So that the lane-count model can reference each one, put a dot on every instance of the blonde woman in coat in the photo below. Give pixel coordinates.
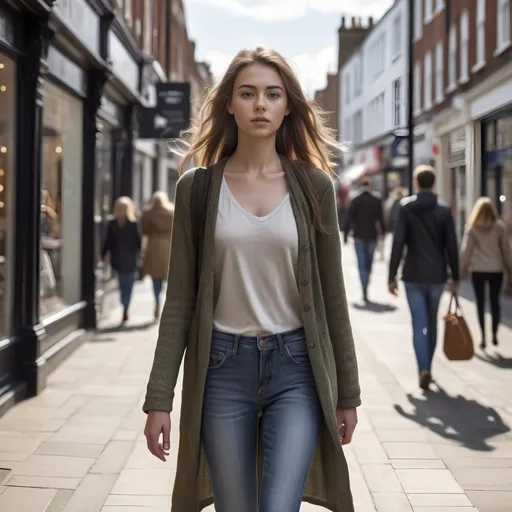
(156, 226)
(486, 252)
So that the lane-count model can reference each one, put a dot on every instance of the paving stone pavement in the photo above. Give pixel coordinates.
(78, 446)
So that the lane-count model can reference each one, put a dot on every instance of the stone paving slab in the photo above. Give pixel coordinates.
(78, 447)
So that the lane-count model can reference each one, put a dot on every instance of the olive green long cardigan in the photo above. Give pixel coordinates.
(326, 323)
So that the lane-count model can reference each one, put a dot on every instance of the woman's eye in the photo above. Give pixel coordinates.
(246, 94)
(274, 95)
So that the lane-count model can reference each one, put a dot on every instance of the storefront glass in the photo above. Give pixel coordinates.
(61, 200)
(504, 149)
(7, 163)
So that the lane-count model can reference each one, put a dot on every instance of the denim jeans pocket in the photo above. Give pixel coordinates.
(219, 353)
(297, 352)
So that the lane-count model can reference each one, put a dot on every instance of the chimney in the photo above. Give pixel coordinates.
(370, 21)
(353, 21)
(343, 22)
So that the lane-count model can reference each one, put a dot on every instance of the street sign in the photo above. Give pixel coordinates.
(400, 146)
(171, 114)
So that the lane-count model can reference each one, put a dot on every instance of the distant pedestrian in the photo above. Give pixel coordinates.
(425, 228)
(122, 242)
(270, 366)
(156, 226)
(486, 252)
(365, 219)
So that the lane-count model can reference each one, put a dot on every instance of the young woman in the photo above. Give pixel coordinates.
(123, 242)
(156, 226)
(486, 251)
(270, 376)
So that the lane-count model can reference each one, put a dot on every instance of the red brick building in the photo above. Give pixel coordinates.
(463, 84)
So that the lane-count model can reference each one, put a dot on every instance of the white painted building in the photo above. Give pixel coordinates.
(373, 94)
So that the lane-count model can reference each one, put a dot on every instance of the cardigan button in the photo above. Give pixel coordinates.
(304, 282)
(304, 248)
(312, 345)
(307, 307)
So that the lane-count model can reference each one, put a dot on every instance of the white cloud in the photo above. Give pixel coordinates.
(277, 10)
(310, 68)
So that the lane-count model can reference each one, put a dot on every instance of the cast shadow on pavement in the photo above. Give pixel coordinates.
(374, 307)
(456, 418)
(119, 329)
(496, 359)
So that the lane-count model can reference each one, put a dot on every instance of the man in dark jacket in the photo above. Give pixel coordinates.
(365, 219)
(425, 226)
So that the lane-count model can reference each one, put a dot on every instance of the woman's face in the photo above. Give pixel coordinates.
(259, 102)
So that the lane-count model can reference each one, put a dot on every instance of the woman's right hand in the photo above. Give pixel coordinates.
(158, 422)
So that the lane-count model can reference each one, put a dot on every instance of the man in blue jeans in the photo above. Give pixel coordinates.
(425, 227)
(365, 219)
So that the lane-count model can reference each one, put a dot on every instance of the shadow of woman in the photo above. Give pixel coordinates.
(496, 359)
(456, 418)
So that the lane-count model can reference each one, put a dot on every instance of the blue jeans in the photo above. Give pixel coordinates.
(157, 288)
(365, 250)
(248, 377)
(424, 303)
(126, 280)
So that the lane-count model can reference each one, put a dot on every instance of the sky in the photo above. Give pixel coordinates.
(304, 31)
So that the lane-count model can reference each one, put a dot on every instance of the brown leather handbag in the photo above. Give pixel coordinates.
(458, 343)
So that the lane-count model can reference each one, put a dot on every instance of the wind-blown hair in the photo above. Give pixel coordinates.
(303, 135)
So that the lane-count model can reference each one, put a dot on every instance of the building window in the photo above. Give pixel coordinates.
(417, 88)
(347, 89)
(418, 19)
(128, 12)
(61, 200)
(148, 26)
(480, 33)
(428, 11)
(397, 102)
(439, 72)
(427, 81)
(397, 36)
(358, 127)
(503, 24)
(452, 59)
(7, 166)
(464, 47)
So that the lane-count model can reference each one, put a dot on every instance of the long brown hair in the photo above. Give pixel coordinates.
(303, 135)
(484, 214)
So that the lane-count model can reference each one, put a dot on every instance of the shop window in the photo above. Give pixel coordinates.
(7, 163)
(61, 201)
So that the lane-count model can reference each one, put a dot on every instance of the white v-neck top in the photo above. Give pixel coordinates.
(256, 261)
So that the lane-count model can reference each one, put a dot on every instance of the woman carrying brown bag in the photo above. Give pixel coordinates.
(156, 225)
(486, 252)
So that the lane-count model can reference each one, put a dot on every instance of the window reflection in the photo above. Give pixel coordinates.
(7, 152)
(61, 201)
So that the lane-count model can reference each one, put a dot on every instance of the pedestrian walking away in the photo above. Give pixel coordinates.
(486, 253)
(425, 228)
(156, 227)
(365, 219)
(256, 296)
(123, 243)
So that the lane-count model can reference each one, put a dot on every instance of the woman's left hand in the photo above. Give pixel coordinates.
(347, 421)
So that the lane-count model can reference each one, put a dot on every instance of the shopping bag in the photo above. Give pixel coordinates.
(458, 344)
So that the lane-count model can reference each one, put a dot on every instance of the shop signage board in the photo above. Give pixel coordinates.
(400, 144)
(171, 114)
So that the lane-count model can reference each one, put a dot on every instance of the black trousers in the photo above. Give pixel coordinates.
(495, 280)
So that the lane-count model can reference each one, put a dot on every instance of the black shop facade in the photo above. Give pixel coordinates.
(66, 152)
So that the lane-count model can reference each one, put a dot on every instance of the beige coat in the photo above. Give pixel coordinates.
(156, 225)
(486, 250)
(187, 321)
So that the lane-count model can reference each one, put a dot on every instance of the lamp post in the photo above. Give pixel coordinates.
(410, 93)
